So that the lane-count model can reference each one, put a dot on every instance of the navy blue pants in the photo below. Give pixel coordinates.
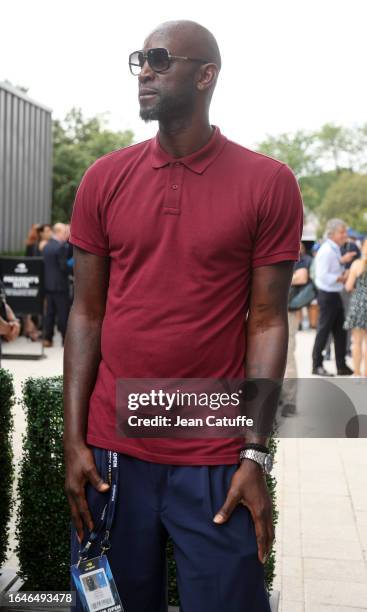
(217, 565)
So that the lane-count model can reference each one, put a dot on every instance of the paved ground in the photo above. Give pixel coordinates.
(322, 531)
(21, 370)
(322, 499)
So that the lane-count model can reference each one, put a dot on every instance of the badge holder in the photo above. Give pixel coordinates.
(93, 577)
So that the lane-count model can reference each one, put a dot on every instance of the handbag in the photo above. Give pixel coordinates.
(301, 295)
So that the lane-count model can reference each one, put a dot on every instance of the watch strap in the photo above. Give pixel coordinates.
(265, 460)
(255, 446)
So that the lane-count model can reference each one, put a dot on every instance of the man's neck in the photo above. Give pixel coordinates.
(180, 139)
(333, 241)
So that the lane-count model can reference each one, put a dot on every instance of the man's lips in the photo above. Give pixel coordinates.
(147, 93)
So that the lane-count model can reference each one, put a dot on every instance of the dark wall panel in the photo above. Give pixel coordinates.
(25, 166)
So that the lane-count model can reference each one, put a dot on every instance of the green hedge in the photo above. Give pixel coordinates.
(272, 483)
(43, 516)
(6, 458)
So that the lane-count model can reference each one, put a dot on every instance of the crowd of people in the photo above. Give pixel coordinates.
(51, 242)
(332, 279)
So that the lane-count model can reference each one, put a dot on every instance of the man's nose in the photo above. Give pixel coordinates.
(146, 72)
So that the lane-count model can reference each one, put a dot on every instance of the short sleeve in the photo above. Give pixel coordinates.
(279, 221)
(86, 229)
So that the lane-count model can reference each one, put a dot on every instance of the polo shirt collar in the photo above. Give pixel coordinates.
(197, 162)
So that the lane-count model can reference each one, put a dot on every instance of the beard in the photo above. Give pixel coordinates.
(170, 108)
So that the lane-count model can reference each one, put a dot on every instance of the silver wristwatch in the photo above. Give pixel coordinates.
(263, 459)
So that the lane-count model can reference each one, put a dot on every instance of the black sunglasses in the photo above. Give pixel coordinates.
(158, 59)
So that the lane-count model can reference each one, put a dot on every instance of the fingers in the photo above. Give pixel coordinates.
(232, 500)
(264, 532)
(80, 511)
(96, 480)
(261, 537)
(81, 469)
(85, 512)
(77, 521)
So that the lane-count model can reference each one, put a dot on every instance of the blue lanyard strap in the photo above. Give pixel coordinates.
(113, 477)
(108, 512)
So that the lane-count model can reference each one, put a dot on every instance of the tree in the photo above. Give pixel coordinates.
(293, 149)
(360, 148)
(336, 144)
(346, 198)
(319, 159)
(314, 188)
(77, 143)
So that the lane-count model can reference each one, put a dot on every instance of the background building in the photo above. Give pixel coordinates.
(25, 166)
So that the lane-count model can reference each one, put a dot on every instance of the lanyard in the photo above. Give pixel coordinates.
(108, 512)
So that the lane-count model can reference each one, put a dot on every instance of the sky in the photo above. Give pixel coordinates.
(287, 64)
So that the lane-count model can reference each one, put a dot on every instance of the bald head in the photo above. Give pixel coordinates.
(183, 89)
(59, 231)
(192, 39)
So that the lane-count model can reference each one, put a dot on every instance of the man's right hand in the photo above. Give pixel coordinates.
(81, 469)
(343, 277)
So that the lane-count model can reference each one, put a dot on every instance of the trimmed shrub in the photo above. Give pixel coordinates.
(43, 516)
(6, 458)
(272, 483)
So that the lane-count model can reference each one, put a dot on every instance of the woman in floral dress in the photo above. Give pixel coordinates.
(356, 319)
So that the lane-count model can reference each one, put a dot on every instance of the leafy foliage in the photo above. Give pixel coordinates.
(77, 143)
(334, 144)
(293, 149)
(314, 188)
(272, 483)
(43, 515)
(6, 458)
(319, 159)
(346, 198)
(332, 148)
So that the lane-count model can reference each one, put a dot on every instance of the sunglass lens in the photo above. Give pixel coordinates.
(158, 59)
(136, 61)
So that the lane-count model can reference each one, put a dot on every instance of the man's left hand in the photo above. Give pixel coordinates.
(248, 487)
(348, 257)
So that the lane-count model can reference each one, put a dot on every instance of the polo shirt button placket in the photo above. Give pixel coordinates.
(174, 189)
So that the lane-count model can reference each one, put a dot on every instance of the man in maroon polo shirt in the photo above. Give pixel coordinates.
(184, 250)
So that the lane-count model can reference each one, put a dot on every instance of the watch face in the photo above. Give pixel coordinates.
(268, 464)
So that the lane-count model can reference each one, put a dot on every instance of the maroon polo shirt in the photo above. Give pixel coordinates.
(183, 236)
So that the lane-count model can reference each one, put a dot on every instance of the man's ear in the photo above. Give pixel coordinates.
(208, 75)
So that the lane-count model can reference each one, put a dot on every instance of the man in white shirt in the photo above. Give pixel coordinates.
(330, 276)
